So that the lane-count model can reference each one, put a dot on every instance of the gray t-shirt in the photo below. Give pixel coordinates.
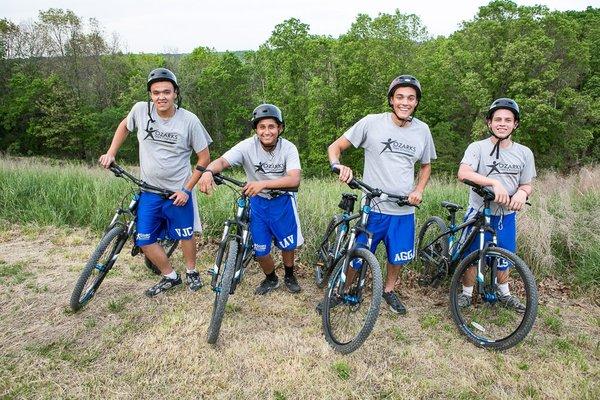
(260, 164)
(166, 145)
(390, 155)
(515, 167)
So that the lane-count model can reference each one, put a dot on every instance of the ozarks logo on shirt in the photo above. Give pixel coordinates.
(269, 168)
(501, 168)
(159, 136)
(394, 146)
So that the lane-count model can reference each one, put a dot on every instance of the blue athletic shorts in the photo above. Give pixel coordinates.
(274, 220)
(397, 233)
(506, 232)
(158, 218)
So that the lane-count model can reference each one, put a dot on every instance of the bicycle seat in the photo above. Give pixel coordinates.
(451, 206)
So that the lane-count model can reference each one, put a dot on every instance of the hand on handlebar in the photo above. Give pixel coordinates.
(518, 200)
(254, 188)
(415, 197)
(345, 173)
(502, 196)
(207, 184)
(106, 160)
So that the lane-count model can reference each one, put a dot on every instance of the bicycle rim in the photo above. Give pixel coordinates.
(490, 320)
(351, 308)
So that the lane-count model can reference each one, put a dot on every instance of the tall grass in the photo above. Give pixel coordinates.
(558, 235)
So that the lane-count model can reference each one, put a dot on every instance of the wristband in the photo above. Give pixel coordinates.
(208, 170)
(186, 191)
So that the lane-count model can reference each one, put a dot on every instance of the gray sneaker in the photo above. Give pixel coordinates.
(512, 302)
(164, 285)
(394, 302)
(266, 286)
(193, 280)
(464, 301)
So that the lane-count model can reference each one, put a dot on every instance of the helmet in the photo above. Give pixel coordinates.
(405, 80)
(506, 103)
(266, 111)
(162, 74)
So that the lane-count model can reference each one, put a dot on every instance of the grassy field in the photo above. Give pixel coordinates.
(123, 345)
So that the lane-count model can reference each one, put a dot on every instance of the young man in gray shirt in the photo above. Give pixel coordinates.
(393, 142)
(509, 168)
(270, 162)
(167, 135)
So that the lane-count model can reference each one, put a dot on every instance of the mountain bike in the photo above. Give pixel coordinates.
(353, 296)
(235, 251)
(486, 322)
(119, 230)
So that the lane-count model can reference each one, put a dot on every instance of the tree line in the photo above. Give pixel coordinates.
(65, 86)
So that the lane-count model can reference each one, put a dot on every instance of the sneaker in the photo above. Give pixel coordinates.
(193, 280)
(464, 301)
(266, 286)
(512, 302)
(292, 284)
(394, 302)
(164, 284)
(334, 302)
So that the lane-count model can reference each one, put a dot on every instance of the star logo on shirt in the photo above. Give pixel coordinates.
(259, 167)
(387, 145)
(494, 169)
(393, 146)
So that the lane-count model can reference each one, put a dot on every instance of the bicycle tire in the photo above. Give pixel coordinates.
(323, 266)
(433, 256)
(169, 246)
(222, 292)
(112, 241)
(464, 323)
(350, 344)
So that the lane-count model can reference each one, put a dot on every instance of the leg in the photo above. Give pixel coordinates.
(157, 255)
(290, 279)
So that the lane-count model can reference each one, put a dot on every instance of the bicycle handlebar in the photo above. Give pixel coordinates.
(120, 172)
(485, 192)
(354, 183)
(219, 179)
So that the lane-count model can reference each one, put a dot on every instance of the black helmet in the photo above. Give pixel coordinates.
(266, 111)
(162, 74)
(506, 103)
(405, 80)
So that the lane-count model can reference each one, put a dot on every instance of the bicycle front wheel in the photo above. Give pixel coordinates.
(222, 289)
(169, 245)
(352, 301)
(98, 265)
(491, 318)
(326, 253)
(432, 252)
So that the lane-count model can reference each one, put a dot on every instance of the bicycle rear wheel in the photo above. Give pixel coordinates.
(169, 245)
(222, 289)
(432, 254)
(332, 240)
(351, 308)
(98, 265)
(491, 320)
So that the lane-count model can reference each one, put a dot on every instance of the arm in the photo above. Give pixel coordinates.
(207, 183)
(466, 172)
(334, 151)
(416, 196)
(291, 180)
(181, 197)
(118, 139)
(519, 198)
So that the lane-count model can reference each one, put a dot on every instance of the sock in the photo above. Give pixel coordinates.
(190, 270)
(172, 275)
(468, 290)
(503, 288)
(272, 277)
(289, 271)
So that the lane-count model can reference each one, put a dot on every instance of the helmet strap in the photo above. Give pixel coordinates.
(149, 113)
(496, 147)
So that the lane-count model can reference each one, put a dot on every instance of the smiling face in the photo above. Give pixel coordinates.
(163, 96)
(502, 123)
(268, 131)
(403, 101)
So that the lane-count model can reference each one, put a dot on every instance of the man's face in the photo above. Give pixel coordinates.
(404, 101)
(503, 123)
(268, 131)
(163, 95)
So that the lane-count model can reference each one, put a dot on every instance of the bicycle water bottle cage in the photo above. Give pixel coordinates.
(347, 202)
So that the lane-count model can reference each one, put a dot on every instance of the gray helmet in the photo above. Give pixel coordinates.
(504, 103)
(404, 80)
(162, 74)
(266, 111)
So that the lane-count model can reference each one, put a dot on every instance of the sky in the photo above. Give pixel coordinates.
(179, 26)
